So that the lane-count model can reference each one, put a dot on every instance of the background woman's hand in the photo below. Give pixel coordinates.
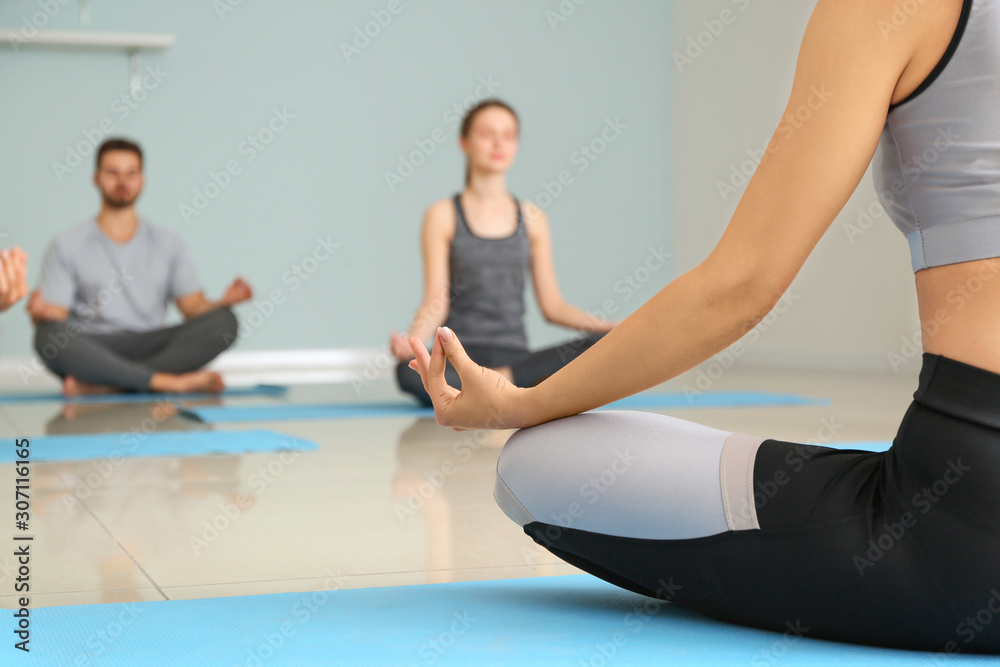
(400, 347)
(487, 399)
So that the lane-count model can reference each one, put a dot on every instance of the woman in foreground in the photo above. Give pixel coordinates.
(896, 549)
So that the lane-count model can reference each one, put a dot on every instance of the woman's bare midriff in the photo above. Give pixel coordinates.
(960, 312)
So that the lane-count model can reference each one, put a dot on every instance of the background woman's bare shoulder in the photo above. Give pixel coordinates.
(439, 218)
(535, 219)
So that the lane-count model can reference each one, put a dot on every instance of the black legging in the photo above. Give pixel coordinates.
(527, 368)
(898, 548)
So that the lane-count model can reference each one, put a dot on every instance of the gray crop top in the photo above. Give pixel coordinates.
(937, 165)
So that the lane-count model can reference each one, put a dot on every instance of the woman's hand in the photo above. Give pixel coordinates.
(487, 399)
(13, 277)
(400, 347)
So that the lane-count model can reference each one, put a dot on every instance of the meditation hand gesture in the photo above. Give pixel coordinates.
(487, 399)
(238, 292)
(400, 347)
(13, 277)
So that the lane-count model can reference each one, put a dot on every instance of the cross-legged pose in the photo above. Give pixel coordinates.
(897, 549)
(477, 247)
(103, 294)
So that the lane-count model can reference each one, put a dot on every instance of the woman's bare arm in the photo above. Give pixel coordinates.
(554, 307)
(845, 77)
(435, 240)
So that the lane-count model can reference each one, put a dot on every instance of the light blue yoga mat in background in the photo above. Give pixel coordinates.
(163, 443)
(868, 446)
(296, 412)
(151, 397)
(574, 620)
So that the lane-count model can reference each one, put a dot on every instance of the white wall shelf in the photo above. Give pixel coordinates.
(89, 38)
(131, 42)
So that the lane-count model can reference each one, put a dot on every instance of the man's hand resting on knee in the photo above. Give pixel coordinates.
(42, 312)
(195, 304)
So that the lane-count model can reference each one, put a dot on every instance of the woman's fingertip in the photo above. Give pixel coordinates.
(446, 334)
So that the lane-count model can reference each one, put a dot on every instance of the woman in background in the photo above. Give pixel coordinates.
(477, 247)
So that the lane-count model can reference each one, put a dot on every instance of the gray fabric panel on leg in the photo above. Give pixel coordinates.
(736, 473)
(510, 505)
(618, 472)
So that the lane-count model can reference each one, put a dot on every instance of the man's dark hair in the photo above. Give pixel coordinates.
(117, 144)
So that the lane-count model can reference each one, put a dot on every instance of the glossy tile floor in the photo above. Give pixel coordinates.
(382, 502)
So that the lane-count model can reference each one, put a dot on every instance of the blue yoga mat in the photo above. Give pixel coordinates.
(869, 446)
(235, 392)
(164, 443)
(296, 412)
(569, 620)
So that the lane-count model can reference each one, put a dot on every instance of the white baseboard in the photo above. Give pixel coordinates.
(243, 368)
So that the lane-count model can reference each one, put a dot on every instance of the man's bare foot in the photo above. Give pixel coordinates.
(187, 383)
(73, 387)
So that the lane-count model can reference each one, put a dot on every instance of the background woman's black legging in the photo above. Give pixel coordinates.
(527, 368)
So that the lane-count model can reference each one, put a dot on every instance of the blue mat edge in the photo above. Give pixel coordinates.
(587, 583)
(143, 397)
(156, 450)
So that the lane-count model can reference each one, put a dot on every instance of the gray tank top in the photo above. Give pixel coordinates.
(487, 285)
(937, 166)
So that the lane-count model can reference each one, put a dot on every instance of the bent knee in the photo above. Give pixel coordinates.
(224, 324)
(515, 455)
(534, 469)
(632, 474)
(51, 338)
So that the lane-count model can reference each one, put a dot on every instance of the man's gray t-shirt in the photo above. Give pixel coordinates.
(110, 287)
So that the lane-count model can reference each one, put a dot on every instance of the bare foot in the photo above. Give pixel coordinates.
(187, 383)
(73, 387)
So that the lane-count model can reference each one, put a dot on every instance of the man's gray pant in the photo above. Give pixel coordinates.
(129, 359)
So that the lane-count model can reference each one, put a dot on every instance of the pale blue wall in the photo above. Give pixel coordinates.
(324, 174)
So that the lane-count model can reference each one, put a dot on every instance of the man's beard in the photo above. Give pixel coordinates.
(118, 202)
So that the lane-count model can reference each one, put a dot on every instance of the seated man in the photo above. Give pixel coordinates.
(13, 276)
(103, 295)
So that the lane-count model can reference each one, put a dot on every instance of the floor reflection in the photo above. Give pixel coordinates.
(80, 418)
(446, 477)
(152, 499)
